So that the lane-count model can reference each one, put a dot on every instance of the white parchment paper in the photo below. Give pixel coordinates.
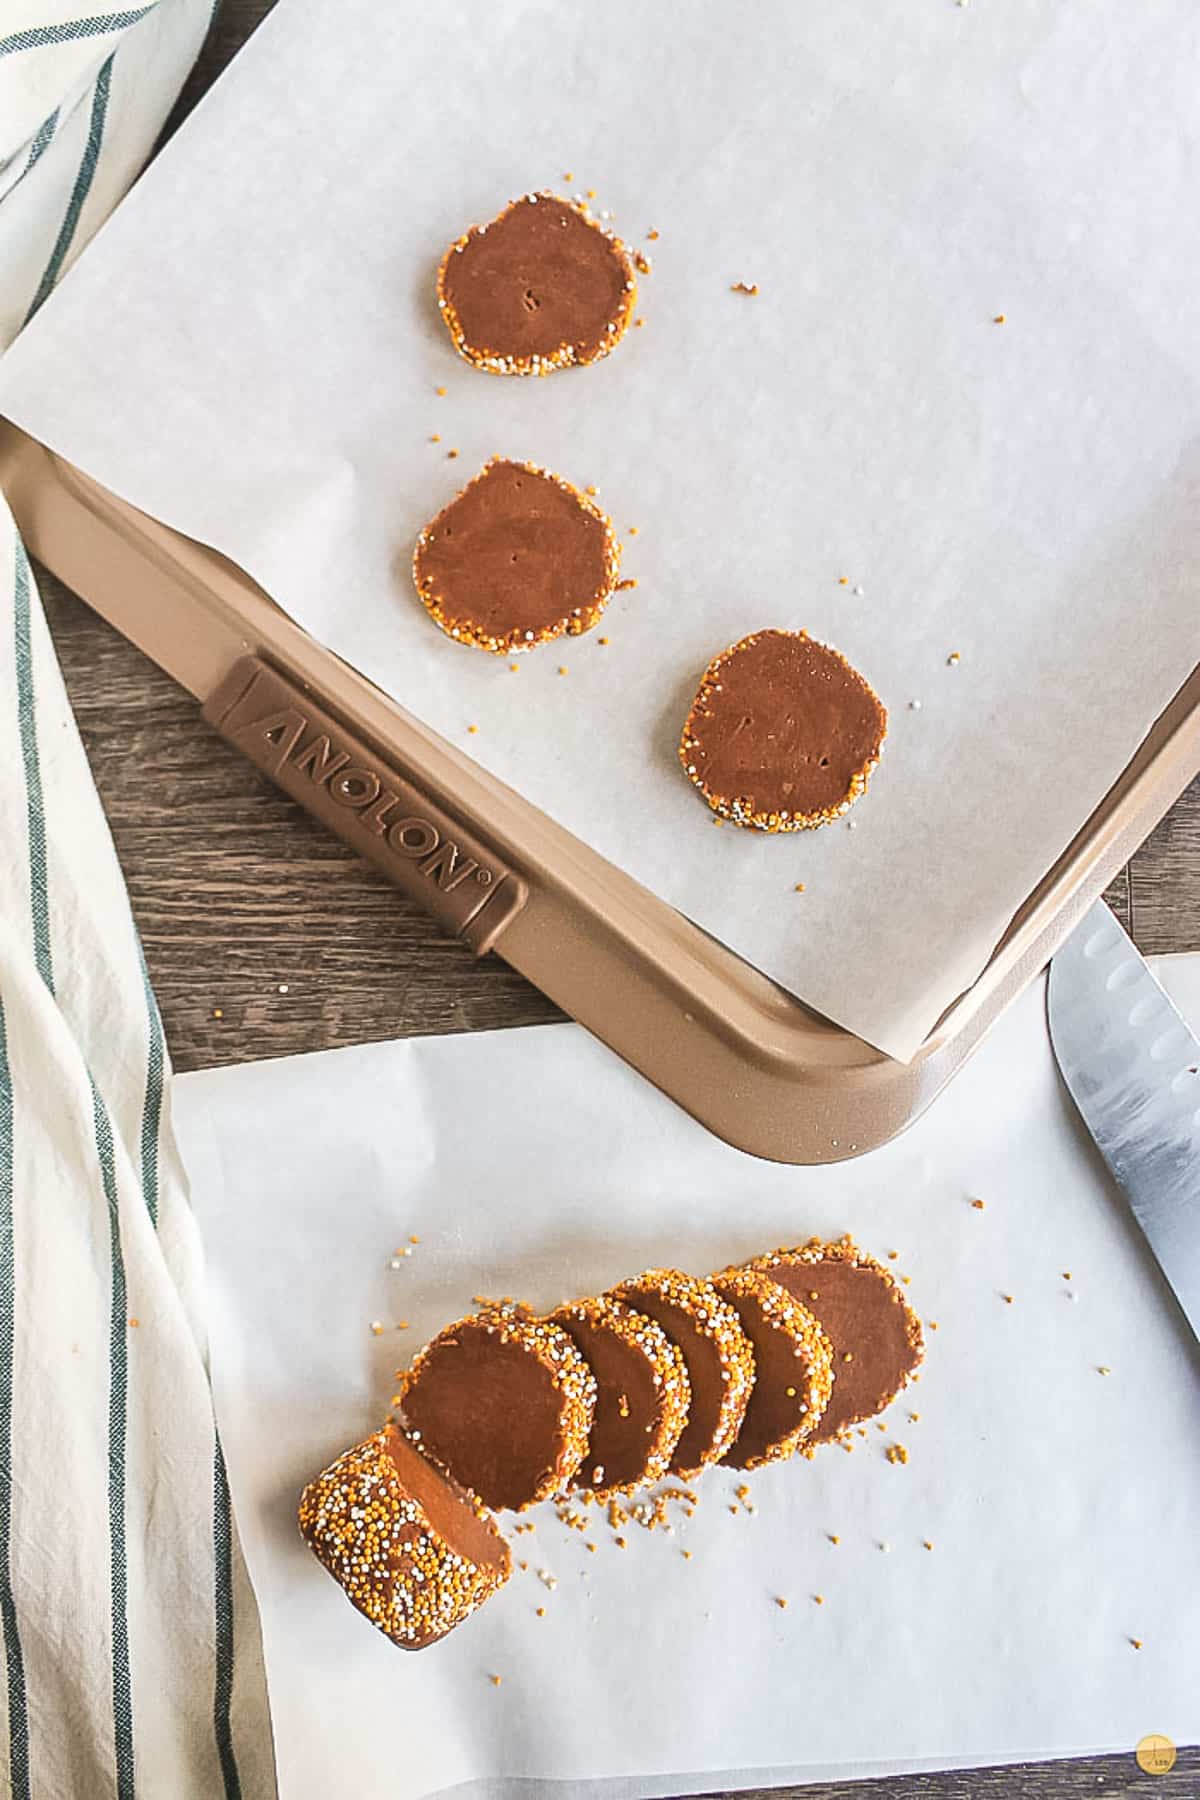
(251, 352)
(1061, 1503)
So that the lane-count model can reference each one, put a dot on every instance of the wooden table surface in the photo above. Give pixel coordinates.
(265, 936)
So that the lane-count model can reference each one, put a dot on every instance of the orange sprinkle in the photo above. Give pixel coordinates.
(781, 1602)
(568, 176)
(451, 454)
(633, 531)
(540, 1611)
(441, 393)
(1066, 1274)
(1007, 1299)
(927, 1544)
(562, 668)
(896, 1453)
(687, 1556)
(1136, 1642)
(436, 438)
(630, 581)
(833, 1538)
(733, 1509)
(513, 667)
(847, 1356)
(602, 640)
(218, 1012)
(892, 1255)
(495, 1680)
(880, 1426)
(134, 1324)
(843, 581)
(914, 1418)
(413, 1238)
(401, 1325)
(933, 1324)
(619, 1542)
(376, 1328)
(652, 234)
(819, 1599)
(639, 323)
(799, 888)
(591, 489)
(591, 193)
(790, 1392)
(978, 1205)
(742, 287)
(472, 729)
(1000, 319)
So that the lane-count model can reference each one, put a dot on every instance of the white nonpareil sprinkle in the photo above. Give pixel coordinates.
(914, 706)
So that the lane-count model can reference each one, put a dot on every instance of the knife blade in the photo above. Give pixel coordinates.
(1133, 1070)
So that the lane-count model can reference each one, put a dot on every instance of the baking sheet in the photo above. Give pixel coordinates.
(251, 352)
(1060, 1503)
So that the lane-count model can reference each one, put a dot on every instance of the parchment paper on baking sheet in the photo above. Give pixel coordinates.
(251, 352)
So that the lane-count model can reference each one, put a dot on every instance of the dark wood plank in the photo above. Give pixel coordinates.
(264, 936)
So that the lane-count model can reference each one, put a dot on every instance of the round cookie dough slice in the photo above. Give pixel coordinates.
(717, 1352)
(519, 557)
(503, 1402)
(540, 287)
(783, 734)
(642, 1393)
(793, 1368)
(875, 1334)
(415, 1553)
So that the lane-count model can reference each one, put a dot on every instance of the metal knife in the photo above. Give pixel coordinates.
(1133, 1069)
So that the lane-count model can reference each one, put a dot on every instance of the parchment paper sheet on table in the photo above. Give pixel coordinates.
(1060, 1503)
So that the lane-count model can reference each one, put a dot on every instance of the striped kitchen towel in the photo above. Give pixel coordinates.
(132, 1663)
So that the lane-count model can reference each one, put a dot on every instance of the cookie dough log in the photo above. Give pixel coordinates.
(540, 287)
(793, 1368)
(518, 558)
(717, 1352)
(875, 1334)
(414, 1552)
(642, 1393)
(503, 1402)
(783, 733)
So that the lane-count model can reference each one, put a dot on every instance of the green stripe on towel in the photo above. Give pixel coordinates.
(36, 37)
(83, 184)
(27, 729)
(14, 1663)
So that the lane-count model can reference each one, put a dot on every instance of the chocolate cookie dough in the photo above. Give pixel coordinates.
(542, 286)
(414, 1552)
(642, 1394)
(503, 1402)
(717, 1352)
(793, 1368)
(783, 734)
(876, 1336)
(518, 558)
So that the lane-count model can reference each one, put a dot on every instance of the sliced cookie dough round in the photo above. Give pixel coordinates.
(540, 287)
(875, 1334)
(783, 733)
(519, 557)
(717, 1352)
(503, 1402)
(793, 1368)
(642, 1393)
(414, 1551)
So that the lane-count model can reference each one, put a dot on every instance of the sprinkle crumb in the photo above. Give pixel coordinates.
(781, 1602)
(954, 658)
(743, 287)
(620, 1543)
(376, 1327)
(799, 889)
(1000, 319)
(818, 1599)
(914, 1418)
(687, 1555)
(896, 1453)
(733, 1509)
(1103, 1369)
(1136, 1642)
(495, 1680)
(1007, 1299)
(1066, 1274)
(928, 1545)
(833, 1538)
(451, 454)
(978, 1205)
